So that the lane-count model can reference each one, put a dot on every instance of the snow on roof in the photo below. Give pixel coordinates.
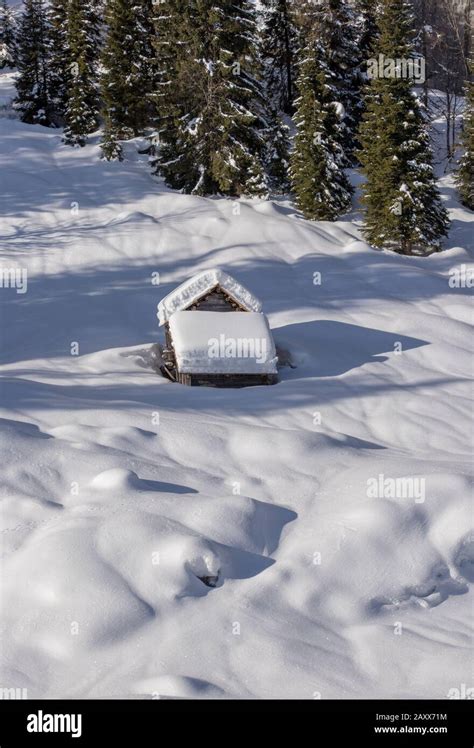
(193, 289)
(223, 343)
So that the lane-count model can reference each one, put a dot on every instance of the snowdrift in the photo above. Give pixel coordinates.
(194, 542)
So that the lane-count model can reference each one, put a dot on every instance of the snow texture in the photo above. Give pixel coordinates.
(125, 496)
(191, 290)
(223, 343)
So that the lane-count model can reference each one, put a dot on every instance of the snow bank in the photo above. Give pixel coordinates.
(223, 343)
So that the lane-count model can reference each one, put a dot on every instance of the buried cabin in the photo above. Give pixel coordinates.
(216, 334)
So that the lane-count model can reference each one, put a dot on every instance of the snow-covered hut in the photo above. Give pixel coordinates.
(205, 346)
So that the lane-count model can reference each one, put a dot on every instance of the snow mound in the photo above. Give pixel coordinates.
(63, 598)
(163, 560)
(115, 479)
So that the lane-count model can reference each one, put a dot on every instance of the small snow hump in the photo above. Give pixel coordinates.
(114, 479)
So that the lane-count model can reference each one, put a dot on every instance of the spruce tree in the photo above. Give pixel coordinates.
(276, 158)
(110, 146)
(170, 45)
(127, 61)
(279, 48)
(367, 28)
(465, 174)
(60, 58)
(211, 129)
(7, 36)
(321, 187)
(335, 24)
(82, 109)
(33, 95)
(403, 209)
(367, 33)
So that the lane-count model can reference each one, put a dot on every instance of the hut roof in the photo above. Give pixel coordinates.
(216, 343)
(195, 288)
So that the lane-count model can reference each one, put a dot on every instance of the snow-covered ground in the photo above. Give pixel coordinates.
(122, 489)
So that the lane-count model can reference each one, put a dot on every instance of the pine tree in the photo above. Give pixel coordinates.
(168, 41)
(321, 187)
(279, 47)
(335, 23)
(403, 210)
(367, 33)
(276, 156)
(33, 96)
(127, 61)
(211, 127)
(60, 58)
(110, 146)
(367, 28)
(82, 109)
(170, 45)
(465, 174)
(7, 36)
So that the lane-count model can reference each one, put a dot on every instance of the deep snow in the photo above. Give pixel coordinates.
(123, 491)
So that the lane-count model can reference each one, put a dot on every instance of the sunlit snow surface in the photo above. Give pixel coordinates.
(194, 542)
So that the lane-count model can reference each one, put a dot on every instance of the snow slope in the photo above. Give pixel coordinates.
(123, 491)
